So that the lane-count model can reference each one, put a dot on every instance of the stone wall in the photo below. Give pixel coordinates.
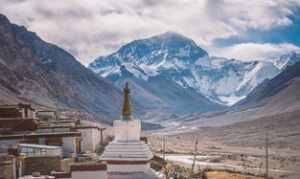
(66, 163)
(44, 165)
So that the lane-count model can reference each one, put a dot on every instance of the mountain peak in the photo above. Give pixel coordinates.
(171, 37)
(172, 34)
(164, 49)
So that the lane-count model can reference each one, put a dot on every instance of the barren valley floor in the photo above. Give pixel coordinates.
(240, 146)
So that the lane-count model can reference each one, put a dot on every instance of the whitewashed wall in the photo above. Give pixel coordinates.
(127, 130)
(88, 175)
(69, 145)
(90, 139)
(128, 168)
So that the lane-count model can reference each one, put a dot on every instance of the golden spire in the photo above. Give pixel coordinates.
(126, 105)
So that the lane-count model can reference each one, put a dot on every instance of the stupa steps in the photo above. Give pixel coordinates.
(128, 147)
(127, 153)
(133, 142)
(126, 157)
(108, 158)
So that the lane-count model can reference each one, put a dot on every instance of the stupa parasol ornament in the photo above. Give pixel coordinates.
(126, 112)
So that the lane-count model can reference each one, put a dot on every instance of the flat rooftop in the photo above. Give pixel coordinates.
(36, 135)
(39, 146)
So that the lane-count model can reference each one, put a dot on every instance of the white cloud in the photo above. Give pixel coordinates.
(256, 51)
(91, 28)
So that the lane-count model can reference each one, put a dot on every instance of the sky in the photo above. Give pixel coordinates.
(242, 29)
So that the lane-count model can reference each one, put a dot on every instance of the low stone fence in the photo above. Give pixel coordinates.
(43, 164)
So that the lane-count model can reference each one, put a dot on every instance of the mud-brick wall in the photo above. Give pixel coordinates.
(44, 165)
(6, 169)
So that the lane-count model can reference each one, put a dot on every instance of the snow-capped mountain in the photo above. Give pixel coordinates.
(278, 94)
(171, 56)
(285, 60)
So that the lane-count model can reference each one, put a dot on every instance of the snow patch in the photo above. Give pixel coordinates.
(231, 100)
(136, 71)
(104, 72)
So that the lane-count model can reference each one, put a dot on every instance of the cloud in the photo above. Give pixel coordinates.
(256, 14)
(256, 51)
(91, 28)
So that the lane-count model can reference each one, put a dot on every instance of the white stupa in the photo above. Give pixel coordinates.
(127, 156)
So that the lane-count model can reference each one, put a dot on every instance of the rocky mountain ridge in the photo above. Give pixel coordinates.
(44, 74)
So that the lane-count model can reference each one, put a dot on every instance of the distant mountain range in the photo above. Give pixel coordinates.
(168, 73)
(279, 94)
(274, 106)
(32, 70)
(171, 59)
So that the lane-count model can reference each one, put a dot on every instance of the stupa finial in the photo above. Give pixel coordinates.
(126, 113)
